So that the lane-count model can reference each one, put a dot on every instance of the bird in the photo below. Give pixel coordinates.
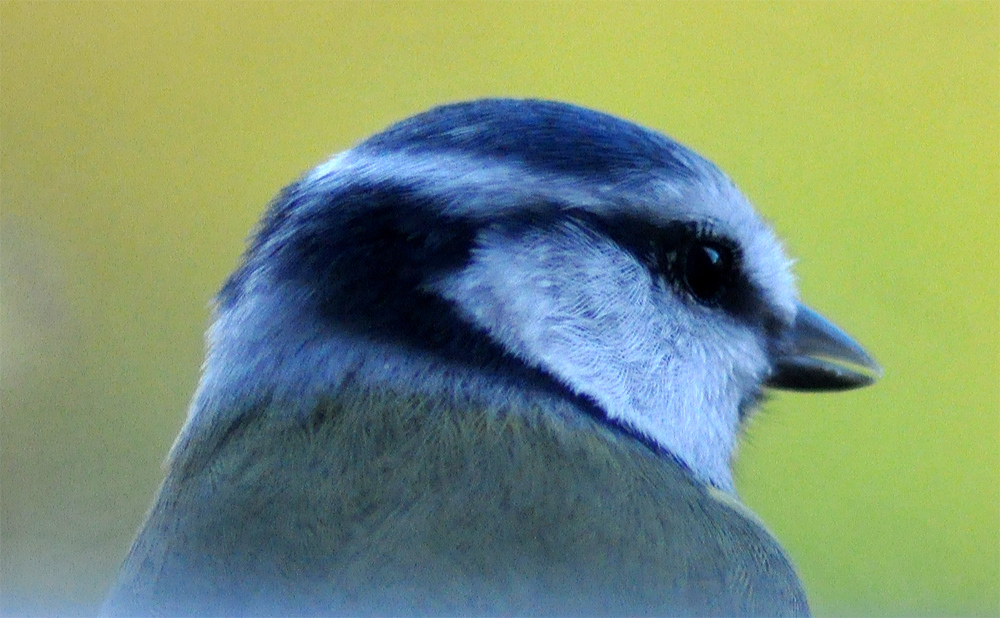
(495, 359)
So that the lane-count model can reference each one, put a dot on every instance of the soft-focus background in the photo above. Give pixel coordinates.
(139, 142)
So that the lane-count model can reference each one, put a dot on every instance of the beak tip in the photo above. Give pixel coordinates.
(809, 363)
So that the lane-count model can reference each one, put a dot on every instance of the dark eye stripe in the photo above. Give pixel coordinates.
(367, 260)
(665, 251)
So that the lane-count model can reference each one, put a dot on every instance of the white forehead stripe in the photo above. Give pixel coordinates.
(485, 188)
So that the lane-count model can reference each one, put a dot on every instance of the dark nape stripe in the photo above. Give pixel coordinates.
(365, 256)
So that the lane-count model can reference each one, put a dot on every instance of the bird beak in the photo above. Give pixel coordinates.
(806, 362)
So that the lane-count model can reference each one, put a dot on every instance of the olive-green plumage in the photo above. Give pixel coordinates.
(377, 503)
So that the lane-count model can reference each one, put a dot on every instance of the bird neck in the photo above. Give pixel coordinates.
(291, 364)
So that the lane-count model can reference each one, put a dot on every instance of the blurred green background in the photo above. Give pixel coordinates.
(139, 142)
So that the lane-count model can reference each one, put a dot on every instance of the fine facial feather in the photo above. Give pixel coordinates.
(574, 303)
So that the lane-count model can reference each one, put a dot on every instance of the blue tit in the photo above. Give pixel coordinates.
(492, 360)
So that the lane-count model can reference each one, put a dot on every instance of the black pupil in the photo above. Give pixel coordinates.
(706, 270)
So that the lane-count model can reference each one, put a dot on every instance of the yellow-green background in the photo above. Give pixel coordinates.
(140, 141)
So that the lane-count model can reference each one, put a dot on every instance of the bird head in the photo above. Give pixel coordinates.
(515, 252)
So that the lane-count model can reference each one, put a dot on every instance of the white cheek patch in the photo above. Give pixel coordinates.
(576, 305)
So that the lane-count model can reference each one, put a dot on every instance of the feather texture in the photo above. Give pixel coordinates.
(380, 504)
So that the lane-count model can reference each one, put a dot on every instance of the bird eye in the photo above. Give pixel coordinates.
(706, 269)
